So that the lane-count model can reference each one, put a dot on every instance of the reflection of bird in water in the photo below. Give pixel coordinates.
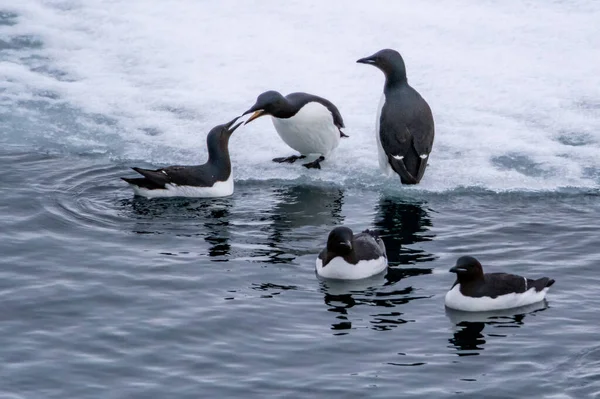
(342, 295)
(468, 338)
(180, 216)
(298, 207)
(469, 333)
(402, 223)
(217, 226)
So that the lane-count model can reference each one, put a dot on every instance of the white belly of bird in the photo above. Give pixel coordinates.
(384, 164)
(219, 189)
(456, 300)
(310, 131)
(339, 269)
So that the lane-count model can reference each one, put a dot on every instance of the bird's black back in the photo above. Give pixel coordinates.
(365, 246)
(497, 284)
(299, 100)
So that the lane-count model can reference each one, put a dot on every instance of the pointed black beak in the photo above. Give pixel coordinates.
(232, 129)
(367, 60)
(457, 269)
(229, 126)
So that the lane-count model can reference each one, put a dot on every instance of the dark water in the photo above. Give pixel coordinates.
(104, 295)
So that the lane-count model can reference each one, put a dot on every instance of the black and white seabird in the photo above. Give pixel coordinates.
(307, 123)
(213, 179)
(351, 256)
(404, 124)
(475, 291)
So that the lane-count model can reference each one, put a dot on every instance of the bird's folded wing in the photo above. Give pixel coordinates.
(179, 175)
(498, 284)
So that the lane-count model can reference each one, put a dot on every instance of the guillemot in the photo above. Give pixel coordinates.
(475, 291)
(349, 256)
(212, 179)
(404, 124)
(307, 123)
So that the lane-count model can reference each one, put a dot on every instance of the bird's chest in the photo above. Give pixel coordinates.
(310, 130)
(382, 156)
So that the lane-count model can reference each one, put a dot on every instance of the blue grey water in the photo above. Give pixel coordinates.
(107, 295)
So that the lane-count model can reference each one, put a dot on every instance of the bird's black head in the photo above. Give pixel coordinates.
(218, 137)
(467, 268)
(268, 103)
(339, 241)
(389, 61)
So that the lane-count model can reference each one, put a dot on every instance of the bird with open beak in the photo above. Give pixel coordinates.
(307, 123)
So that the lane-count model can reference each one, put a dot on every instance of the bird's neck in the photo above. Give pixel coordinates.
(220, 152)
(285, 111)
(395, 78)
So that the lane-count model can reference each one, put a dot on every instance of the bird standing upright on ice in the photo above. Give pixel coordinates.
(404, 124)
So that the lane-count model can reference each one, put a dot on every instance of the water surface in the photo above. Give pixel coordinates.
(105, 295)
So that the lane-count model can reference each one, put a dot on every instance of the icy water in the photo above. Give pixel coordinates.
(105, 295)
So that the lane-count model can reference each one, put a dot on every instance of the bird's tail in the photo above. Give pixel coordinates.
(399, 167)
(422, 165)
(372, 233)
(540, 283)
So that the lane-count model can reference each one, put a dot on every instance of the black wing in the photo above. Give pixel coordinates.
(302, 99)
(406, 132)
(143, 183)
(197, 176)
(497, 284)
(368, 242)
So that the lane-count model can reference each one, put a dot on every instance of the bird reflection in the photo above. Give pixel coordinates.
(468, 338)
(399, 224)
(298, 207)
(181, 216)
(402, 223)
(342, 296)
(269, 290)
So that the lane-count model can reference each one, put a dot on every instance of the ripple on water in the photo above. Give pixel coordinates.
(153, 292)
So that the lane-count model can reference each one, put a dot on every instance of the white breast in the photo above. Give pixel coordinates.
(219, 189)
(310, 131)
(456, 300)
(339, 269)
(384, 164)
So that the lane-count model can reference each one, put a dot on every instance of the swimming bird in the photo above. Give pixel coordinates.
(307, 123)
(475, 291)
(212, 179)
(404, 124)
(350, 256)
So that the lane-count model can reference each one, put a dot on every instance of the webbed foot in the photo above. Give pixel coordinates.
(290, 159)
(316, 164)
